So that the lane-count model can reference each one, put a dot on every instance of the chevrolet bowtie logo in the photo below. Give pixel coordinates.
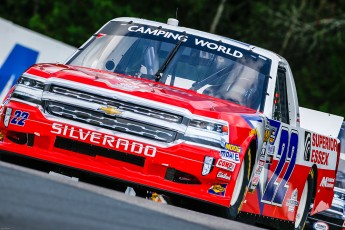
(110, 110)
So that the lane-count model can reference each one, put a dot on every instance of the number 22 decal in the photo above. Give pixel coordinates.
(19, 118)
(276, 190)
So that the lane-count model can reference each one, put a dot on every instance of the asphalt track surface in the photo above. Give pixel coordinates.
(35, 200)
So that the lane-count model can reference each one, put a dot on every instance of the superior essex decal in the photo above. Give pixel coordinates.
(103, 139)
(320, 147)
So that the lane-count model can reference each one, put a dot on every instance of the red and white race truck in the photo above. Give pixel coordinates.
(176, 110)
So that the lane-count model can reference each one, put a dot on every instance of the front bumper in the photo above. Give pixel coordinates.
(176, 169)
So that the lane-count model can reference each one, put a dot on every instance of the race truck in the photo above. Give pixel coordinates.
(177, 111)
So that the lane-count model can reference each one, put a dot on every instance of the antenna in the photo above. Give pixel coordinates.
(173, 21)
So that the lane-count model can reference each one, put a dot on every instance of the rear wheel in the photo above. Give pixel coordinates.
(240, 187)
(304, 203)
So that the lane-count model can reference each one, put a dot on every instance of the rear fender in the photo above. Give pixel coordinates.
(323, 194)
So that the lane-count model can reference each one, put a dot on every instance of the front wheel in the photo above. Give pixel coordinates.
(304, 204)
(240, 187)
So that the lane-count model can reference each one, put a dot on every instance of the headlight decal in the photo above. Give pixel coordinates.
(207, 166)
(209, 126)
(32, 83)
(29, 89)
(207, 132)
(7, 118)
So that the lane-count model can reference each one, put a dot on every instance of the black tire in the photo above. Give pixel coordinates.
(234, 209)
(305, 205)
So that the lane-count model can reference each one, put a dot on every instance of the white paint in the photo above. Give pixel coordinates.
(50, 50)
(320, 122)
(7, 87)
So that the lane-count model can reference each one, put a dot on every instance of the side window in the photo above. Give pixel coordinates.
(281, 108)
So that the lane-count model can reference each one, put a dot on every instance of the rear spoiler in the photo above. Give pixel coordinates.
(320, 122)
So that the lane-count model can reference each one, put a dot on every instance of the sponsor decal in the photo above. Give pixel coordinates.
(223, 176)
(157, 32)
(277, 185)
(118, 85)
(103, 139)
(254, 182)
(7, 117)
(270, 150)
(307, 145)
(319, 157)
(231, 156)
(267, 135)
(266, 153)
(155, 197)
(321, 148)
(19, 118)
(218, 189)
(258, 170)
(227, 165)
(253, 132)
(233, 148)
(256, 177)
(273, 135)
(1, 137)
(222, 48)
(320, 225)
(269, 160)
(326, 143)
(219, 48)
(292, 202)
(327, 182)
(114, 83)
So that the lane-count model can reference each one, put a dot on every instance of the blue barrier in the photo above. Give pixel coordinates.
(17, 62)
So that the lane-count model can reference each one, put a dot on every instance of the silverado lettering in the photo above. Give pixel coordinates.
(102, 139)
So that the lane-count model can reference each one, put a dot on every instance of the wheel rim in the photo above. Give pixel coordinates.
(301, 206)
(238, 185)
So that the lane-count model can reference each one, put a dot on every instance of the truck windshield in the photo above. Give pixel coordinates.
(206, 66)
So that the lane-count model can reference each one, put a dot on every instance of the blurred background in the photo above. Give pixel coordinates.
(310, 34)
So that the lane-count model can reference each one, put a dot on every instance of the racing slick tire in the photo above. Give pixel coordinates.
(304, 204)
(240, 188)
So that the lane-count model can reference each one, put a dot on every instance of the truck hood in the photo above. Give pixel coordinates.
(188, 99)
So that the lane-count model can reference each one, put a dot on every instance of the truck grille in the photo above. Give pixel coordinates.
(92, 150)
(95, 118)
(121, 105)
